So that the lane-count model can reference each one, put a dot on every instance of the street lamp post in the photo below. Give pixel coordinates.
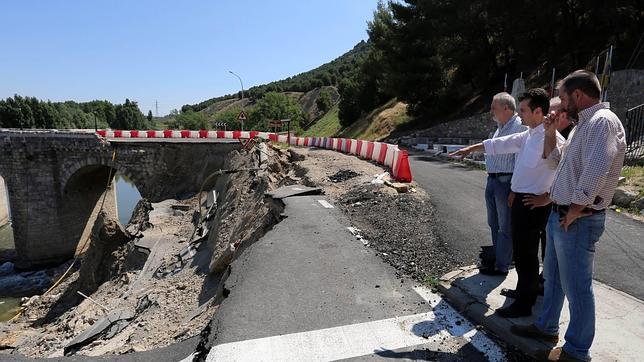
(242, 94)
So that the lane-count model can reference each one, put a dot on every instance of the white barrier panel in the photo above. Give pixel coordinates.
(282, 138)
(354, 147)
(363, 150)
(194, 134)
(376, 151)
(389, 159)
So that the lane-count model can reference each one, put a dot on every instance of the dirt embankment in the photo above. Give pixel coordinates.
(151, 285)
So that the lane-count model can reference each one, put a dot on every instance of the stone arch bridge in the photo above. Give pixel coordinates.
(55, 180)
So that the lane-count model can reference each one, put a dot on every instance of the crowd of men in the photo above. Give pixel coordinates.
(553, 166)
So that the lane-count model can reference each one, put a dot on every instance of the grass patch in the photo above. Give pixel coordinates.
(327, 126)
(431, 281)
(379, 123)
(634, 178)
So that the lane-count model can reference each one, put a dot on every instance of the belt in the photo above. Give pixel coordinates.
(498, 174)
(563, 209)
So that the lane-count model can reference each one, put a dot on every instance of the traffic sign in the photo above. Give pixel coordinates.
(242, 116)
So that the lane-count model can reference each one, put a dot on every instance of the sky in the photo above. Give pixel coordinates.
(173, 52)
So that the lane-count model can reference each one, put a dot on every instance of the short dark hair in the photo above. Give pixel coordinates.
(583, 80)
(537, 97)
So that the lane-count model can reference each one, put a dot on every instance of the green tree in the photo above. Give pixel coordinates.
(324, 101)
(189, 120)
(129, 116)
(149, 116)
(274, 106)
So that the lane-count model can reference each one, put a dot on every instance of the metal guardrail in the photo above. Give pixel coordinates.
(634, 127)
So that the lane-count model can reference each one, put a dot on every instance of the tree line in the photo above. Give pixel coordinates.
(30, 112)
(438, 55)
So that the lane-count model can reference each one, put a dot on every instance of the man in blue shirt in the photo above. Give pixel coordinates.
(497, 190)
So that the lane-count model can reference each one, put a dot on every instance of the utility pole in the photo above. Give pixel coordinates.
(156, 108)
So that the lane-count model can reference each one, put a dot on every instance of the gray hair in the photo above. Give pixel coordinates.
(504, 98)
(555, 102)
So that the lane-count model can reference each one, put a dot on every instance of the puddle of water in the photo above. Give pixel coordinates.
(8, 308)
(127, 196)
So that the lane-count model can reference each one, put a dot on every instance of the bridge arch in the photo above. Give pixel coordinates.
(85, 191)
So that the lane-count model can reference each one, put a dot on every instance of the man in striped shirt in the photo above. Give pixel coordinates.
(500, 169)
(588, 168)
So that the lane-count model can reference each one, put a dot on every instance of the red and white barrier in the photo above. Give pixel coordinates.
(383, 153)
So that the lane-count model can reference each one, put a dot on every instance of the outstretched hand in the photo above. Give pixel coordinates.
(461, 153)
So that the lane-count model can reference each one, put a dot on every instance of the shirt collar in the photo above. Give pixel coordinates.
(537, 129)
(587, 113)
(509, 122)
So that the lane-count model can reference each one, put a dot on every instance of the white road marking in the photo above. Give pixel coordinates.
(466, 329)
(325, 204)
(362, 339)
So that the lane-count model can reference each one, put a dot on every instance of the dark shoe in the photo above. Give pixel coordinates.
(541, 289)
(531, 331)
(514, 311)
(492, 271)
(556, 354)
(510, 293)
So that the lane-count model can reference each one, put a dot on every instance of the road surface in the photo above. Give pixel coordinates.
(458, 192)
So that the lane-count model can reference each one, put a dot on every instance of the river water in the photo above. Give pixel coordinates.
(127, 196)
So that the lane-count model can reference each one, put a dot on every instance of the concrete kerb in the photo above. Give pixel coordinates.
(619, 316)
(482, 314)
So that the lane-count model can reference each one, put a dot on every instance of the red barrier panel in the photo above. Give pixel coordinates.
(253, 134)
(203, 133)
(236, 134)
(152, 134)
(134, 134)
(348, 147)
(272, 137)
(118, 134)
(101, 133)
(358, 147)
(185, 134)
(167, 133)
(369, 150)
(383, 153)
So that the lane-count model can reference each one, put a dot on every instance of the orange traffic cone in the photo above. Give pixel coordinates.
(404, 171)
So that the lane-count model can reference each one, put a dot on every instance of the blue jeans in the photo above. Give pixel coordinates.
(568, 270)
(497, 191)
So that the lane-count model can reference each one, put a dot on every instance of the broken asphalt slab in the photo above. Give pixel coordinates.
(308, 290)
(294, 190)
(113, 318)
(619, 316)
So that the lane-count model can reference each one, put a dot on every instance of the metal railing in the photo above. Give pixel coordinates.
(634, 127)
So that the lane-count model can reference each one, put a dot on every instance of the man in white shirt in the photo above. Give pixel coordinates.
(532, 176)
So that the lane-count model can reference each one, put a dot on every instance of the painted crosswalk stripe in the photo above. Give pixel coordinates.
(362, 339)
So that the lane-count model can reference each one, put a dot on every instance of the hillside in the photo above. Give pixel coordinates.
(329, 74)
